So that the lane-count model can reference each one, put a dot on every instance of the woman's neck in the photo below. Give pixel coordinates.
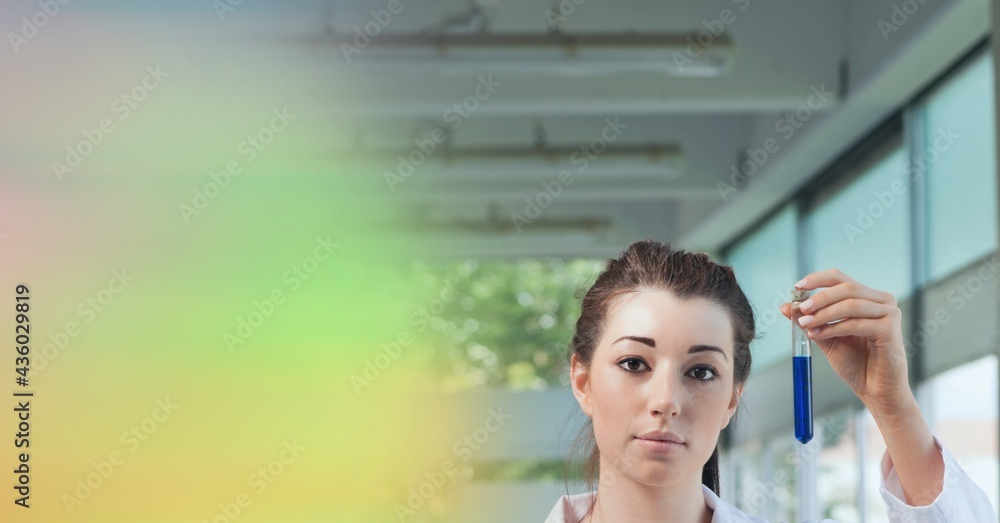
(626, 500)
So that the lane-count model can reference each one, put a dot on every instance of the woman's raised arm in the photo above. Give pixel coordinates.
(865, 348)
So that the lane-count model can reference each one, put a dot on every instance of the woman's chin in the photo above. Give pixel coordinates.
(657, 475)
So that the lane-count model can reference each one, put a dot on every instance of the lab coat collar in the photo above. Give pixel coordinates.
(572, 508)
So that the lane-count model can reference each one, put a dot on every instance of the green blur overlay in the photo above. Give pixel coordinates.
(291, 372)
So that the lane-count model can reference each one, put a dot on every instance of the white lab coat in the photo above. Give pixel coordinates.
(960, 501)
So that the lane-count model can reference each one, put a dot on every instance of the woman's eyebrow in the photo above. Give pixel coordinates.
(640, 339)
(694, 348)
(703, 348)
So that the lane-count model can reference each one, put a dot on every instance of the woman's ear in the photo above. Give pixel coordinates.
(579, 379)
(733, 404)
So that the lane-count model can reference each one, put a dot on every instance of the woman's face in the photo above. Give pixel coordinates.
(661, 364)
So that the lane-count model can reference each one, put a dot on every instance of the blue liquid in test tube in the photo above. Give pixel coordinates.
(801, 372)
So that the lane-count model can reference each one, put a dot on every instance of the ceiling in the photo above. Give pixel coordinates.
(831, 63)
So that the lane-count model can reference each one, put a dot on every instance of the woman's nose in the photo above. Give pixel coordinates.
(665, 397)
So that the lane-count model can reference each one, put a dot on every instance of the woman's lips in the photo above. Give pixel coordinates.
(658, 446)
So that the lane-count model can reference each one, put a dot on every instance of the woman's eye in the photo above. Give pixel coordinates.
(703, 373)
(631, 365)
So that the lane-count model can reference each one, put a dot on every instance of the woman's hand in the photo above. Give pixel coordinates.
(865, 348)
(865, 345)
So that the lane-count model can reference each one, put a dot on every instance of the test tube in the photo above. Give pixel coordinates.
(801, 372)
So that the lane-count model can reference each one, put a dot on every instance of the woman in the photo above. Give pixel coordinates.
(658, 363)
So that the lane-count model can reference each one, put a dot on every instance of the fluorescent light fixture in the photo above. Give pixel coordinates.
(505, 225)
(622, 161)
(686, 54)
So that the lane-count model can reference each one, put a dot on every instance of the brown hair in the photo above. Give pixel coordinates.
(652, 265)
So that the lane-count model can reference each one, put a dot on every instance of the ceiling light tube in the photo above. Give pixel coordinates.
(659, 161)
(686, 54)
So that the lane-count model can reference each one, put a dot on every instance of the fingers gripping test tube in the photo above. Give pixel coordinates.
(801, 372)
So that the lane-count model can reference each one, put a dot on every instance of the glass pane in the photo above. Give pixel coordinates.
(962, 410)
(747, 470)
(960, 159)
(864, 231)
(765, 266)
(874, 448)
(784, 456)
(838, 467)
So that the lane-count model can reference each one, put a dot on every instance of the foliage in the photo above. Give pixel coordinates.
(509, 323)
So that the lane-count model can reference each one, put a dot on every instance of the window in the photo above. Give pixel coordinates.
(770, 493)
(863, 229)
(873, 448)
(959, 153)
(861, 224)
(745, 468)
(961, 406)
(838, 466)
(766, 269)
